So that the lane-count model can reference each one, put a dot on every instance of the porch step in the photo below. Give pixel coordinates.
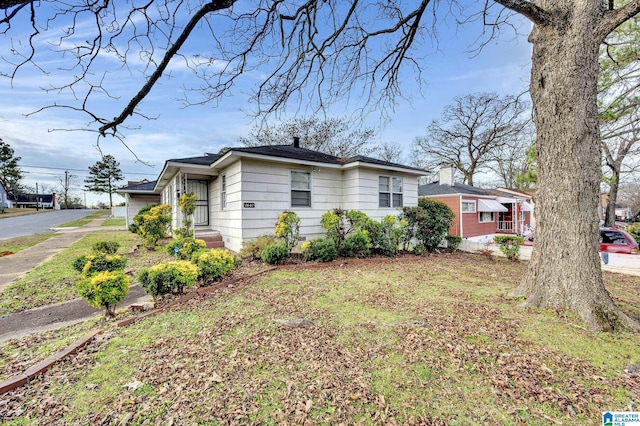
(213, 239)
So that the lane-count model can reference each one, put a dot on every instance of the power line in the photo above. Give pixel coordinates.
(79, 170)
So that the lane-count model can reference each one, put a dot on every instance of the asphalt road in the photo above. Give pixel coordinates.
(40, 223)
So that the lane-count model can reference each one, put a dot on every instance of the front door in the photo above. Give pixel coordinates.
(201, 189)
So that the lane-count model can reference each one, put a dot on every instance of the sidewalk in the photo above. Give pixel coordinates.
(58, 315)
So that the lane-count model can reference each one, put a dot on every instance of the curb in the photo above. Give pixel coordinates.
(38, 369)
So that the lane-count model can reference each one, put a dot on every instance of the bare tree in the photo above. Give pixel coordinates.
(332, 136)
(321, 51)
(619, 104)
(388, 151)
(471, 133)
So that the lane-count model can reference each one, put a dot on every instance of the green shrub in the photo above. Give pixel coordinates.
(509, 245)
(428, 223)
(214, 263)
(634, 230)
(187, 203)
(356, 245)
(89, 264)
(340, 223)
(419, 249)
(321, 250)
(186, 247)
(275, 253)
(453, 241)
(252, 250)
(169, 277)
(137, 219)
(104, 290)
(385, 235)
(154, 224)
(108, 247)
(288, 229)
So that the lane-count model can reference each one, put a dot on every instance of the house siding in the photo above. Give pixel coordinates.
(227, 221)
(134, 204)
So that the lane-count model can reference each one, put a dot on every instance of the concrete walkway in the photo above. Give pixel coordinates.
(50, 317)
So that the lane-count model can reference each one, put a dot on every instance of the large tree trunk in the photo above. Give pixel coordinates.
(564, 272)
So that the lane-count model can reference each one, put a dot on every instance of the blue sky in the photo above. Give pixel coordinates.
(503, 67)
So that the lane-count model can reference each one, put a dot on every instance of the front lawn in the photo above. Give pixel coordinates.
(424, 340)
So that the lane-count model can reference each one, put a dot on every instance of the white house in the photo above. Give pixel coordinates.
(241, 192)
(138, 195)
(3, 198)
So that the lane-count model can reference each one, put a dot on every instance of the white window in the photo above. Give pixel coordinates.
(468, 207)
(390, 191)
(300, 189)
(484, 217)
(223, 192)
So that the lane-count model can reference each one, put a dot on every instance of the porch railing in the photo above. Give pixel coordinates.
(510, 226)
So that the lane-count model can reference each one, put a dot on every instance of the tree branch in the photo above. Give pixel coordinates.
(169, 54)
(535, 13)
(613, 18)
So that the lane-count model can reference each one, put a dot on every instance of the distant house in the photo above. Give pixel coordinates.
(3, 198)
(241, 192)
(138, 195)
(44, 201)
(480, 214)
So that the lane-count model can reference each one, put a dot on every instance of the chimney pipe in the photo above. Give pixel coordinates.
(296, 142)
(447, 174)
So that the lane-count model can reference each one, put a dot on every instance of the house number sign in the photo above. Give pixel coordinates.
(249, 205)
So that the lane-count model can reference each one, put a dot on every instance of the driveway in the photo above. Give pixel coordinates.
(40, 223)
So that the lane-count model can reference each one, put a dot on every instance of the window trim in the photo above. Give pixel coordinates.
(223, 192)
(291, 189)
(493, 218)
(470, 202)
(391, 192)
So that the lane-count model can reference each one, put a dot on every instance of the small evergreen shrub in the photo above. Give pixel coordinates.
(186, 247)
(419, 249)
(108, 247)
(428, 223)
(89, 264)
(634, 231)
(252, 250)
(356, 245)
(275, 253)
(137, 219)
(453, 241)
(339, 223)
(288, 229)
(385, 235)
(321, 250)
(168, 277)
(509, 245)
(104, 290)
(154, 224)
(214, 263)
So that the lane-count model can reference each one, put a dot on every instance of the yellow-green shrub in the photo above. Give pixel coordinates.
(169, 277)
(104, 290)
(214, 263)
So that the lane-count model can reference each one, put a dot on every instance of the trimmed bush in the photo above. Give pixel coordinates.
(104, 290)
(321, 250)
(168, 277)
(356, 245)
(385, 235)
(253, 249)
(89, 264)
(214, 263)
(137, 219)
(634, 231)
(428, 223)
(340, 223)
(108, 247)
(186, 247)
(288, 229)
(453, 241)
(275, 253)
(509, 245)
(154, 224)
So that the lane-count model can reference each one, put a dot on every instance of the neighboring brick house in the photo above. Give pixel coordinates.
(480, 214)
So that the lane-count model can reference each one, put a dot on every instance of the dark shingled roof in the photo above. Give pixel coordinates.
(205, 160)
(434, 188)
(146, 186)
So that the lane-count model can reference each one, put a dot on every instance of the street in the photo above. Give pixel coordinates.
(38, 223)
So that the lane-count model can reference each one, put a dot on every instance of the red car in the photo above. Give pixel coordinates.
(612, 240)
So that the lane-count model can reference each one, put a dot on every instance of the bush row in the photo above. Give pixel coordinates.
(351, 233)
